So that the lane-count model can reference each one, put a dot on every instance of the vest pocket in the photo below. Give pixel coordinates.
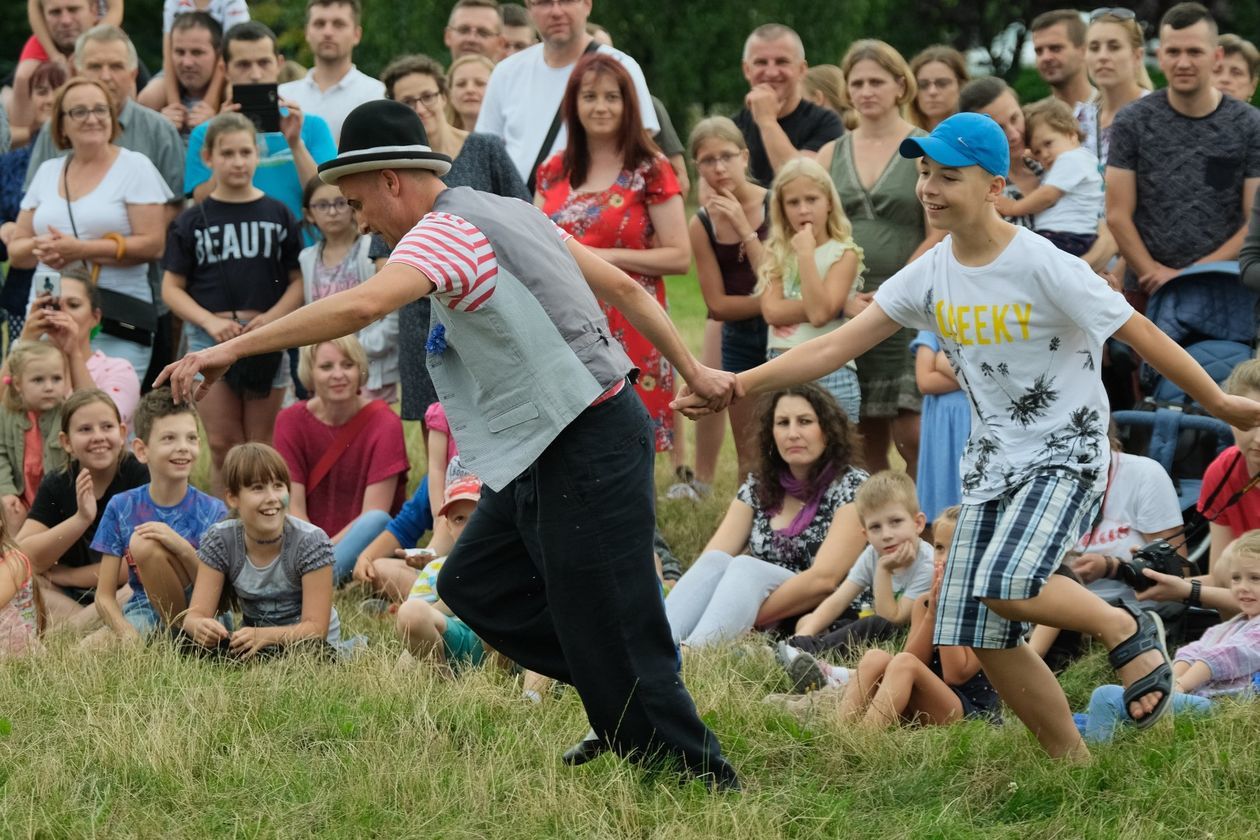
(512, 417)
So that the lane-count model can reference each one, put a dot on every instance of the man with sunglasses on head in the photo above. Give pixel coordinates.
(522, 103)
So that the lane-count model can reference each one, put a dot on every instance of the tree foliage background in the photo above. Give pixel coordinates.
(689, 49)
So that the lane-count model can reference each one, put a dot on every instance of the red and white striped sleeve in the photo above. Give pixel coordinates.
(455, 255)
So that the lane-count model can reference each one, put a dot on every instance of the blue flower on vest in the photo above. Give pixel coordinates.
(436, 344)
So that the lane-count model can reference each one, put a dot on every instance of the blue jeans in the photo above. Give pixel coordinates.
(362, 531)
(1107, 711)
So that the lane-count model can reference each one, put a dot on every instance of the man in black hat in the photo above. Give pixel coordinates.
(555, 567)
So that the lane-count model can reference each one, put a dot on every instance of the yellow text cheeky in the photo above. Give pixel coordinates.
(984, 324)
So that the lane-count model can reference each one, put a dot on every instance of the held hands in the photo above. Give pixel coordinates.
(708, 391)
(211, 363)
(763, 103)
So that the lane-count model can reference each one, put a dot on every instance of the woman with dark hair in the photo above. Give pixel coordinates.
(790, 535)
(939, 73)
(480, 161)
(615, 191)
(990, 95)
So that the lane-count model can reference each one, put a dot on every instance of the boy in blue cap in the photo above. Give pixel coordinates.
(1023, 325)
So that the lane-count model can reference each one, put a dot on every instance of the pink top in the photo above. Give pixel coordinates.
(376, 454)
(117, 378)
(435, 419)
(19, 626)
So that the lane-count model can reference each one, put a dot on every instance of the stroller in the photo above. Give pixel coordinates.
(1208, 311)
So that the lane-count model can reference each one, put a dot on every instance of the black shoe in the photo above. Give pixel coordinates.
(588, 749)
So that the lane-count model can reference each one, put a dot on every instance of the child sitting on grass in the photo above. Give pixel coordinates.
(1221, 663)
(426, 625)
(279, 567)
(20, 615)
(156, 527)
(896, 568)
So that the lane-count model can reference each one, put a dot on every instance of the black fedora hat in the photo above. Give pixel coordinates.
(382, 134)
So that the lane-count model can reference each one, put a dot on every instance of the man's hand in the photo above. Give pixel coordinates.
(1154, 279)
(291, 123)
(176, 114)
(716, 387)
(197, 114)
(763, 103)
(211, 363)
(1090, 567)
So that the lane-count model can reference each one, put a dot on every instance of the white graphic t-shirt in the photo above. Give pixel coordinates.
(1024, 335)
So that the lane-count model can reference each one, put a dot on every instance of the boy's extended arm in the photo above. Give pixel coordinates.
(1170, 359)
(808, 361)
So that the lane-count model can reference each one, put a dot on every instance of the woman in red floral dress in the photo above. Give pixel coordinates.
(617, 194)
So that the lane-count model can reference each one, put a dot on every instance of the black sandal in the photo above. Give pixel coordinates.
(1148, 636)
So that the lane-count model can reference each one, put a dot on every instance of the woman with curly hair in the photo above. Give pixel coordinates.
(790, 535)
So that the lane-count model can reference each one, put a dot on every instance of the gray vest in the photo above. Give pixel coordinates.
(531, 358)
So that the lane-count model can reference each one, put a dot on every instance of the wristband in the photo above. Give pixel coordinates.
(120, 244)
(1196, 589)
(749, 237)
(1113, 563)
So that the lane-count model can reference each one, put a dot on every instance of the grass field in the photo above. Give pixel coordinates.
(145, 743)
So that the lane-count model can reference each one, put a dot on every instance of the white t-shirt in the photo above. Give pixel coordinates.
(336, 103)
(1081, 206)
(911, 582)
(524, 95)
(825, 255)
(1024, 335)
(1140, 500)
(133, 179)
(227, 12)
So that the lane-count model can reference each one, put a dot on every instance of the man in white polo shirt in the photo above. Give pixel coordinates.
(334, 86)
(523, 98)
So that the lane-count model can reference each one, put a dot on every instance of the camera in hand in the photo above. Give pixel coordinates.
(1159, 556)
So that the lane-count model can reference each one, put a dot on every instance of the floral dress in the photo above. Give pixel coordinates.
(18, 621)
(617, 217)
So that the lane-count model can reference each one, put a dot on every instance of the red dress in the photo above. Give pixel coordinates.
(617, 217)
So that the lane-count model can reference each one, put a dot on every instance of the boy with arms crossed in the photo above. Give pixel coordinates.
(1023, 325)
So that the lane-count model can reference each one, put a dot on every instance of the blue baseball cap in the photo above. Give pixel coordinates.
(964, 139)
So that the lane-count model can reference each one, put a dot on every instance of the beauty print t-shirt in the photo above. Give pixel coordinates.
(1024, 335)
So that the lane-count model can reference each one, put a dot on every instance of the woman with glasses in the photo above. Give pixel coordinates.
(340, 260)
(480, 162)
(939, 73)
(101, 207)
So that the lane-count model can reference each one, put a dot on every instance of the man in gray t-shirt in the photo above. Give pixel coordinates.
(1184, 163)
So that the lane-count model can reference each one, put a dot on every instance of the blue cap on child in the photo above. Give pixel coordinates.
(964, 139)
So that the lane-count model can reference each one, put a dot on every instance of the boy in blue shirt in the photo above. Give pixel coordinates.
(156, 527)
(1023, 325)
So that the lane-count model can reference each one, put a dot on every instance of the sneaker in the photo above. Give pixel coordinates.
(806, 673)
(784, 654)
(375, 607)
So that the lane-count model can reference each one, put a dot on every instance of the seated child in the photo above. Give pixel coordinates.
(1223, 662)
(279, 566)
(1067, 206)
(426, 624)
(20, 618)
(922, 684)
(156, 527)
(896, 568)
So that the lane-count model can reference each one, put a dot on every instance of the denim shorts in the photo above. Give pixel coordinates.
(199, 339)
(743, 344)
(141, 614)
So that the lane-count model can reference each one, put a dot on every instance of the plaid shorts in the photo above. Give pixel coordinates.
(1005, 549)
